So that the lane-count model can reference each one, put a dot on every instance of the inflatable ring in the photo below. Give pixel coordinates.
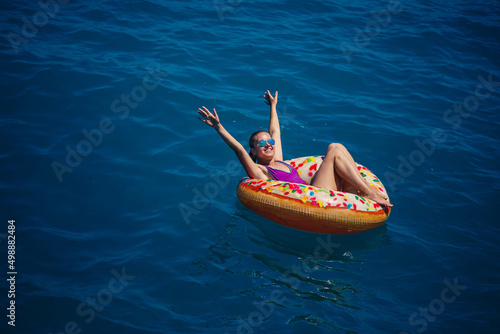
(310, 208)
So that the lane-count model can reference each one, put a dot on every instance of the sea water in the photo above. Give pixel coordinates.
(122, 205)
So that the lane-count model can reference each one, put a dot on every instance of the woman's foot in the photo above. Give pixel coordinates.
(376, 196)
(360, 193)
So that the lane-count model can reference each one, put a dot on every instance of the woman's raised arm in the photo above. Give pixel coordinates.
(212, 119)
(274, 124)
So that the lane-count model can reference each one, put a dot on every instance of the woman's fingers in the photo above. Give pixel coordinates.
(267, 97)
(204, 119)
(270, 97)
(202, 113)
(208, 117)
(205, 112)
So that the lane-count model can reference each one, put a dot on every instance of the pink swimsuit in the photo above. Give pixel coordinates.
(279, 175)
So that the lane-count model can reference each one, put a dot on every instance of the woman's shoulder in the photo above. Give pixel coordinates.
(283, 162)
(264, 170)
(262, 167)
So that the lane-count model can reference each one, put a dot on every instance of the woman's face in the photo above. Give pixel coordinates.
(265, 152)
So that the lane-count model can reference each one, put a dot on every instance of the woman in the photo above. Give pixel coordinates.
(338, 171)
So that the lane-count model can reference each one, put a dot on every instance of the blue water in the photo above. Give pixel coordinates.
(138, 229)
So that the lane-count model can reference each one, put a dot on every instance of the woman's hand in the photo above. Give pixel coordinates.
(209, 118)
(271, 100)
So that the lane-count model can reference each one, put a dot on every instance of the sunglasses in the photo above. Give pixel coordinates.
(262, 143)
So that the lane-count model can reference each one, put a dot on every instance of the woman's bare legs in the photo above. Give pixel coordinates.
(338, 168)
(351, 159)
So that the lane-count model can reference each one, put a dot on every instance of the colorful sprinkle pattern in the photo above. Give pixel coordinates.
(307, 167)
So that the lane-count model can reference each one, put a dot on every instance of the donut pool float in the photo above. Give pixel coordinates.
(310, 208)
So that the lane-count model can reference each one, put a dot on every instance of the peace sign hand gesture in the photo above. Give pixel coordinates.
(209, 118)
(271, 100)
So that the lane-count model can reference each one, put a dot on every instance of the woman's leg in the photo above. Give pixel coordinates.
(339, 168)
(347, 187)
(340, 162)
(351, 159)
(342, 148)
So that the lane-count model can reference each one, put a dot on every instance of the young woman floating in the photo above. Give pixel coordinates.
(338, 171)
